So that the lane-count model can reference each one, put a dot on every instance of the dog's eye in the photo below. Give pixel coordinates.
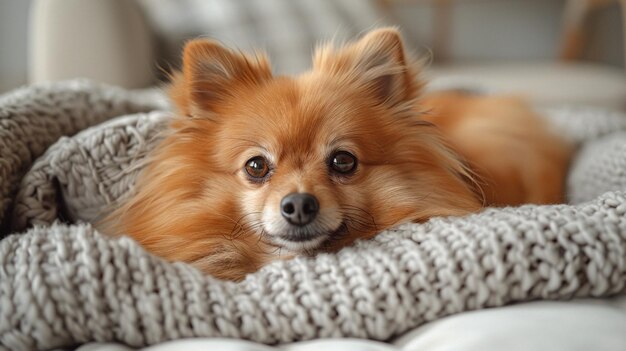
(257, 167)
(343, 162)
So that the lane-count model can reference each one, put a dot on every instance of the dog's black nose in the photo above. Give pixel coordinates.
(299, 208)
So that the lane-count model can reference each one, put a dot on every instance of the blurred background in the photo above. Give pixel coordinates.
(551, 51)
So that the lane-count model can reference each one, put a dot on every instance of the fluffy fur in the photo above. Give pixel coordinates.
(195, 203)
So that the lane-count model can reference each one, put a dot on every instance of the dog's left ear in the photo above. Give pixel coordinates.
(377, 62)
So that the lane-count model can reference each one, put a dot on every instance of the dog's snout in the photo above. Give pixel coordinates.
(299, 208)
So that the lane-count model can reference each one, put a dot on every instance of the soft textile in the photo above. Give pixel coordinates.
(64, 283)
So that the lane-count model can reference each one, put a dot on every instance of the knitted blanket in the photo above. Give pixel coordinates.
(63, 283)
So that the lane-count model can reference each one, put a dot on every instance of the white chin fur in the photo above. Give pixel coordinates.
(298, 246)
(275, 226)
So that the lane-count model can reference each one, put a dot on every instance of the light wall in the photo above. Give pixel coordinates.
(13, 43)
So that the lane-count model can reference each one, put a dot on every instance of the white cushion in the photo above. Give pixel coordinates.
(584, 324)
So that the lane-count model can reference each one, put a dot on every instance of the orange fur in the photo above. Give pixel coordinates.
(508, 146)
(194, 202)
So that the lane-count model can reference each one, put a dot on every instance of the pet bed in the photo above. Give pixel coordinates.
(62, 283)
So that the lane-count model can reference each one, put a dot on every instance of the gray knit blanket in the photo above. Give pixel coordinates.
(64, 159)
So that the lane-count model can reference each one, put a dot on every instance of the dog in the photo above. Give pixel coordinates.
(257, 167)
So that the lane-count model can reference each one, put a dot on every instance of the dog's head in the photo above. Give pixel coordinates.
(302, 163)
(335, 153)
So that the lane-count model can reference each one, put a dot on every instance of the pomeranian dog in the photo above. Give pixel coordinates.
(257, 167)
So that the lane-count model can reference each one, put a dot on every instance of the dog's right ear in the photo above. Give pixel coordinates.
(212, 74)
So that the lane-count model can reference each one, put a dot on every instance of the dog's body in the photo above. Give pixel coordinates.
(515, 157)
(257, 168)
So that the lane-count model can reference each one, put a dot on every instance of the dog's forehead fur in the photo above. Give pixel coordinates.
(307, 117)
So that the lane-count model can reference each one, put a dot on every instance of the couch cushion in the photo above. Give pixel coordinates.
(543, 83)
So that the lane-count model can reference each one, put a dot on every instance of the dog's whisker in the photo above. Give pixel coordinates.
(238, 225)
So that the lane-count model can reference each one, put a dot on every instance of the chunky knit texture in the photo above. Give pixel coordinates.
(31, 119)
(63, 284)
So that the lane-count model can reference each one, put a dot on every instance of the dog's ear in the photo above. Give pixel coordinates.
(377, 62)
(213, 73)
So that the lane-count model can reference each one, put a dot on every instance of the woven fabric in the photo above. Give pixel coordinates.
(64, 283)
(31, 119)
